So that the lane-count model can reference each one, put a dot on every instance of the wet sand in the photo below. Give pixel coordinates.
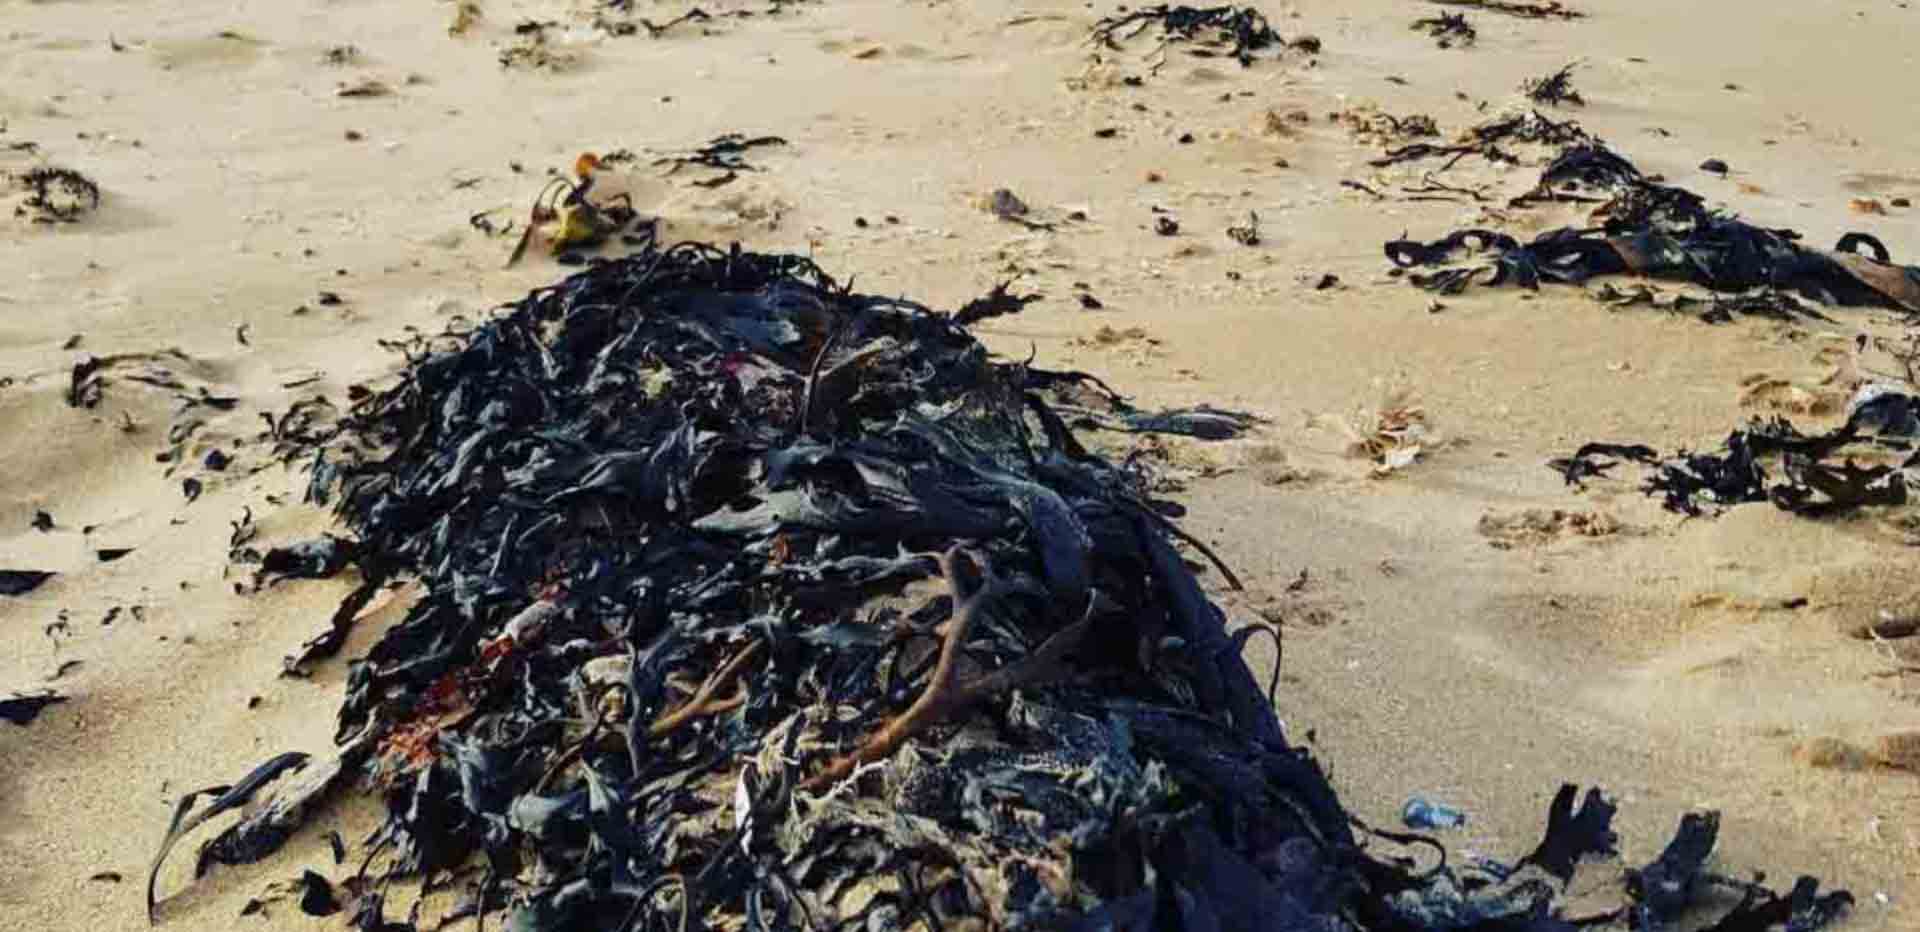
(1657, 661)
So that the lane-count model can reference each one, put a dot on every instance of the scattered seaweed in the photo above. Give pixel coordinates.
(1660, 231)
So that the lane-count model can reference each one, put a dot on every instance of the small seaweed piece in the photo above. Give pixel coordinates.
(57, 195)
(1243, 29)
(22, 709)
(999, 302)
(21, 582)
(1554, 89)
(226, 798)
(1447, 29)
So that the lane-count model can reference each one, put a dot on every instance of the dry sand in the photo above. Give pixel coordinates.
(1654, 661)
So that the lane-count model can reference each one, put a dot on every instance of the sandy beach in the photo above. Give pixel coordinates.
(258, 233)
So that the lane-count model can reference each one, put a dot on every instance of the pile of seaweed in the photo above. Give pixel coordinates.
(751, 602)
(1643, 226)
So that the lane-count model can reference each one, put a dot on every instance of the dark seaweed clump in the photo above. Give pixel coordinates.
(749, 601)
(56, 195)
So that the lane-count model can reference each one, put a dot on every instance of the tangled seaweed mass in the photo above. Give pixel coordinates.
(1661, 231)
(750, 602)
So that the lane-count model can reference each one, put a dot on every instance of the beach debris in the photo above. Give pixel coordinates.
(1372, 125)
(1484, 140)
(21, 582)
(726, 154)
(1660, 231)
(340, 55)
(1447, 30)
(320, 558)
(466, 13)
(569, 219)
(1166, 225)
(42, 521)
(1006, 205)
(1542, 9)
(1248, 235)
(531, 50)
(1237, 32)
(1887, 626)
(22, 708)
(364, 87)
(1392, 433)
(110, 554)
(106, 877)
(998, 302)
(1423, 815)
(225, 798)
(1554, 89)
(1711, 308)
(1816, 473)
(750, 601)
(56, 195)
(1715, 166)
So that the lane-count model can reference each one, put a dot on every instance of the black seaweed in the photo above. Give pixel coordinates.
(1242, 31)
(57, 195)
(23, 709)
(750, 601)
(1816, 474)
(21, 582)
(1658, 230)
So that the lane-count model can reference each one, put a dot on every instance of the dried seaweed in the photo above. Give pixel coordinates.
(56, 195)
(750, 601)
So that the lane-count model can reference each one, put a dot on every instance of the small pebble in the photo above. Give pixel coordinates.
(1714, 165)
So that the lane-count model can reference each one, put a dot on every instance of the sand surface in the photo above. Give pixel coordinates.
(1656, 661)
